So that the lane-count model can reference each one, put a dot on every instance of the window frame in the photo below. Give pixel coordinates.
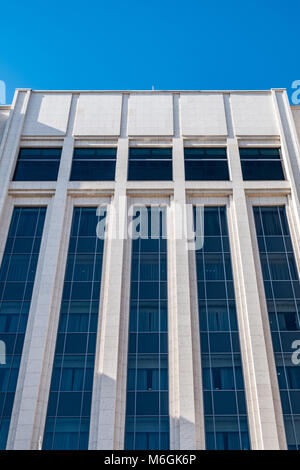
(37, 160)
(153, 160)
(94, 160)
(205, 148)
(259, 148)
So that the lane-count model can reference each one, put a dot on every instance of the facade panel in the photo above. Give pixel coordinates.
(47, 114)
(170, 332)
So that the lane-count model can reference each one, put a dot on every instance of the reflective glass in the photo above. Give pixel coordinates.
(261, 164)
(37, 164)
(93, 164)
(147, 164)
(225, 410)
(147, 408)
(17, 276)
(69, 406)
(205, 164)
(282, 289)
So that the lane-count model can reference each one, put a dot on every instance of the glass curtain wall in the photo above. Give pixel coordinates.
(225, 412)
(69, 406)
(17, 275)
(147, 409)
(282, 290)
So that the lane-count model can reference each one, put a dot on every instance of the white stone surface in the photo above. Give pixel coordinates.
(150, 115)
(98, 115)
(253, 114)
(202, 115)
(47, 114)
(296, 115)
(4, 113)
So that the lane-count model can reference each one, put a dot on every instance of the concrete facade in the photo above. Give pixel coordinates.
(123, 119)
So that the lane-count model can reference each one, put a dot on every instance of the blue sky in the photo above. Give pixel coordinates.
(135, 44)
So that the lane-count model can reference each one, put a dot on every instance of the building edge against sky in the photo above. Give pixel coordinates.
(216, 368)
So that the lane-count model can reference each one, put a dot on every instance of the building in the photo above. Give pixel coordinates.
(113, 343)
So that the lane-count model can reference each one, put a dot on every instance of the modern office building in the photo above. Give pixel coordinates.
(143, 340)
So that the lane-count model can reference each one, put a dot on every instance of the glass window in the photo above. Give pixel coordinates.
(205, 164)
(17, 275)
(94, 164)
(150, 164)
(147, 410)
(69, 407)
(37, 164)
(282, 289)
(261, 164)
(225, 410)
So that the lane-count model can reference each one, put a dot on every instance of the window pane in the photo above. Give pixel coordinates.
(206, 170)
(150, 170)
(37, 164)
(264, 170)
(93, 164)
(93, 170)
(261, 164)
(150, 153)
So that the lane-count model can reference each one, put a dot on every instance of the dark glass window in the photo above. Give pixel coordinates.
(282, 289)
(205, 164)
(37, 164)
(148, 164)
(261, 164)
(69, 406)
(147, 409)
(17, 275)
(94, 164)
(225, 411)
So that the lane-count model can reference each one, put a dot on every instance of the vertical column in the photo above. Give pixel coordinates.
(104, 405)
(181, 353)
(10, 143)
(35, 372)
(290, 148)
(260, 399)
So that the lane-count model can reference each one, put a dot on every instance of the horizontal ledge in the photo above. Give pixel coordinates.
(148, 192)
(32, 193)
(224, 192)
(260, 192)
(152, 91)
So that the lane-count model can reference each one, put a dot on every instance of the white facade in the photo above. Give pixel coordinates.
(71, 119)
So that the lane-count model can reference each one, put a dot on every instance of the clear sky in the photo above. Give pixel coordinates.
(137, 44)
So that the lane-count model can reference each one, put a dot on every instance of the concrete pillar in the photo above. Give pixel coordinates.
(260, 399)
(30, 406)
(105, 394)
(182, 403)
(10, 143)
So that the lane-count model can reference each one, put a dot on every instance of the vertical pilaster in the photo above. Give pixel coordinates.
(104, 405)
(290, 148)
(30, 405)
(10, 143)
(260, 400)
(181, 355)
